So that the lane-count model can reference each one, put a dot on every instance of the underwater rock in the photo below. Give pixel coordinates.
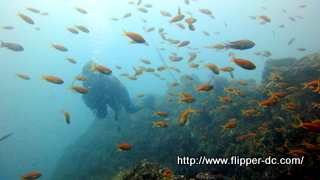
(208, 176)
(146, 170)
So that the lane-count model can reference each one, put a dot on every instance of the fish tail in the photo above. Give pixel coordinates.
(43, 77)
(52, 45)
(300, 123)
(227, 46)
(93, 66)
(224, 127)
(154, 124)
(125, 32)
(3, 44)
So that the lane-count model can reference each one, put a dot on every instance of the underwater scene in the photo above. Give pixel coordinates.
(159, 90)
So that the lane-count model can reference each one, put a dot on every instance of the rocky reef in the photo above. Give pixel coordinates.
(272, 131)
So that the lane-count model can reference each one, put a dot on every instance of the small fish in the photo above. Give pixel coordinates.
(245, 64)
(101, 69)
(176, 18)
(72, 30)
(126, 15)
(291, 41)
(23, 76)
(229, 125)
(82, 28)
(123, 147)
(182, 44)
(135, 37)
(26, 18)
(44, 13)
(71, 60)
(206, 33)
(33, 10)
(7, 27)
(11, 46)
(52, 79)
(160, 124)
(240, 44)
(144, 10)
(32, 175)
(59, 47)
(165, 13)
(5, 136)
(80, 78)
(301, 49)
(81, 10)
(205, 11)
(79, 89)
(66, 115)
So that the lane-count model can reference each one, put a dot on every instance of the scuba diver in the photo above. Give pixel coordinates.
(106, 90)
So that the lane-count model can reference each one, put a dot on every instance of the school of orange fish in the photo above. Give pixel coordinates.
(278, 91)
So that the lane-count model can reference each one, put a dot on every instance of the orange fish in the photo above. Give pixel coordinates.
(298, 152)
(80, 78)
(225, 99)
(186, 94)
(26, 18)
(67, 116)
(123, 147)
(212, 67)
(205, 87)
(229, 125)
(242, 137)
(160, 124)
(182, 44)
(169, 99)
(227, 69)
(59, 47)
(22, 76)
(135, 37)
(101, 69)
(160, 114)
(71, 60)
(161, 68)
(268, 103)
(79, 89)
(32, 175)
(309, 126)
(250, 113)
(188, 99)
(240, 93)
(54, 80)
(167, 173)
(242, 82)
(174, 84)
(184, 117)
(140, 95)
(223, 107)
(245, 64)
(176, 18)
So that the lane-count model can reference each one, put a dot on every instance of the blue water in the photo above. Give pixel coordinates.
(31, 109)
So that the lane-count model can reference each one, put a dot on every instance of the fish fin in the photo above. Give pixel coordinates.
(300, 123)
(125, 32)
(227, 46)
(93, 66)
(224, 127)
(43, 77)
(3, 44)
(52, 45)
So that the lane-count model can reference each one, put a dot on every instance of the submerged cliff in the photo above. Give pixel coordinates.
(271, 131)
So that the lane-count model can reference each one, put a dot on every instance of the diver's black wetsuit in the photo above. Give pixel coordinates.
(107, 90)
